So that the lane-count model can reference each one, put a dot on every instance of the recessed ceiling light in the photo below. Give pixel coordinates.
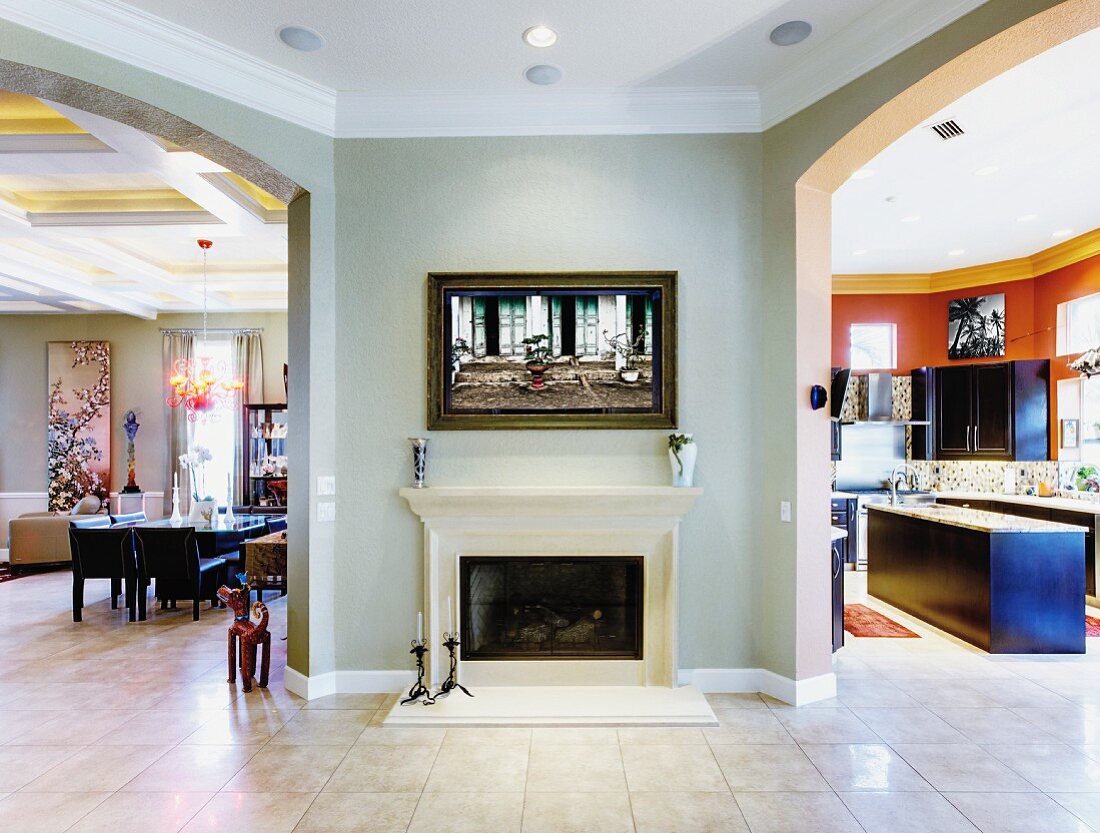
(790, 33)
(987, 170)
(859, 252)
(543, 74)
(863, 173)
(1027, 218)
(910, 218)
(540, 37)
(956, 252)
(1063, 232)
(301, 38)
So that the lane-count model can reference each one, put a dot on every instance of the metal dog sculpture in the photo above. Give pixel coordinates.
(252, 635)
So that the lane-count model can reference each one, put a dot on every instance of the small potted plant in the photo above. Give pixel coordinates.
(629, 372)
(682, 452)
(204, 506)
(537, 359)
(1088, 479)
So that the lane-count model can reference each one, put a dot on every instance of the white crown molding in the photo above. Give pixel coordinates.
(881, 34)
(151, 43)
(112, 28)
(548, 112)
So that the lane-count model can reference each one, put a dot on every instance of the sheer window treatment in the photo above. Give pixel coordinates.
(174, 346)
(248, 366)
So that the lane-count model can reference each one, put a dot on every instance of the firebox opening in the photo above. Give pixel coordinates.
(547, 607)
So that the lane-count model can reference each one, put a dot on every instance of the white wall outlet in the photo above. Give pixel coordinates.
(326, 485)
(785, 511)
(326, 512)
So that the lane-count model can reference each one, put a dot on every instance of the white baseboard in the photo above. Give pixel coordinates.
(795, 692)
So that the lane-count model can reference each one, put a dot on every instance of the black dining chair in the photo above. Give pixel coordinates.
(103, 553)
(171, 556)
(130, 518)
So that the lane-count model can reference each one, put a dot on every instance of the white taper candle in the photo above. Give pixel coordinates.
(420, 626)
(450, 620)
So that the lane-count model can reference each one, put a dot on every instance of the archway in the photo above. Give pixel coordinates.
(1003, 47)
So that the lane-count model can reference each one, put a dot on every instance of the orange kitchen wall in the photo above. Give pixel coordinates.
(1031, 317)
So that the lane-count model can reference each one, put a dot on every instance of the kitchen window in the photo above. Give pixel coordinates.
(874, 346)
(1079, 325)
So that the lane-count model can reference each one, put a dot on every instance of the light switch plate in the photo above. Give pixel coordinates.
(326, 485)
(326, 512)
(785, 511)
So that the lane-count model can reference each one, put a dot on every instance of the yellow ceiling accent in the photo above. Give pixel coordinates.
(1022, 268)
(63, 202)
(25, 114)
(256, 192)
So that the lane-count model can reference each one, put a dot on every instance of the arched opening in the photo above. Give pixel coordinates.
(961, 74)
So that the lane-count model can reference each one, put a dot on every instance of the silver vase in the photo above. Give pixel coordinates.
(420, 460)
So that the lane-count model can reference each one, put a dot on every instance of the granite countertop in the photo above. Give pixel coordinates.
(838, 533)
(976, 519)
(1066, 504)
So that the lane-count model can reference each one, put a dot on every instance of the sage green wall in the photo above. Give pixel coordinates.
(137, 382)
(408, 207)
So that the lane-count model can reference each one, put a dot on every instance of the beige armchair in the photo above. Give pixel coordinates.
(43, 537)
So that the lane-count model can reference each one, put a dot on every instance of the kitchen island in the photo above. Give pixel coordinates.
(1007, 584)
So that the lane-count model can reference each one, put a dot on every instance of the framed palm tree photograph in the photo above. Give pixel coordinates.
(556, 350)
(976, 327)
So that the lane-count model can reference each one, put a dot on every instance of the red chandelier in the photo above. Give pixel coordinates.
(202, 385)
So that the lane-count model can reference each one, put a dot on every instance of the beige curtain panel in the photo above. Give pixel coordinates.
(174, 347)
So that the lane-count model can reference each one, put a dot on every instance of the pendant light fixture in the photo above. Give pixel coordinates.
(202, 386)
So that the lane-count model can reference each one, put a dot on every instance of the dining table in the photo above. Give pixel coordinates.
(223, 539)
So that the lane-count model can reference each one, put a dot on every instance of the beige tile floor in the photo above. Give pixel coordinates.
(110, 726)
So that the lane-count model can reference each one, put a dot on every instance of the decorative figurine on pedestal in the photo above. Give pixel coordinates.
(252, 635)
(130, 426)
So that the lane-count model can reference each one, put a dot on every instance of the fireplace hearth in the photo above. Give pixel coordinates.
(551, 607)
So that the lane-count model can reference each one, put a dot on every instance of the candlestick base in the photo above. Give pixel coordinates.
(450, 642)
(419, 689)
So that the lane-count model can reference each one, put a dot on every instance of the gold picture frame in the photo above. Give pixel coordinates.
(608, 340)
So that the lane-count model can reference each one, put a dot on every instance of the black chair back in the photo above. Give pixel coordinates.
(167, 553)
(102, 553)
(275, 524)
(131, 518)
(91, 522)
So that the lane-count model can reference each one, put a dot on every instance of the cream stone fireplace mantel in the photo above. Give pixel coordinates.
(575, 521)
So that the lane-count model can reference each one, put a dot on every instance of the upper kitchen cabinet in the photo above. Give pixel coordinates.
(996, 411)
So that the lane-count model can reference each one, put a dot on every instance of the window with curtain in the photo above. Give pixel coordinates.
(219, 434)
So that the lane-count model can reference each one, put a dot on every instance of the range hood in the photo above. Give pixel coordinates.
(880, 402)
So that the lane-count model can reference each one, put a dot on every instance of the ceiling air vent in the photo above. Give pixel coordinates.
(947, 129)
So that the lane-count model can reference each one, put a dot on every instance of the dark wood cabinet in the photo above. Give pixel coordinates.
(996, 411)
(835, 438)
(837, 568)
(844, 516)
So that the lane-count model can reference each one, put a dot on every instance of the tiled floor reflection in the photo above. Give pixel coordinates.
(110, 726)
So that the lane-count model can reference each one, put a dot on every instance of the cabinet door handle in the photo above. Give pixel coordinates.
(968, 438)
(975, 449)
(838, 561)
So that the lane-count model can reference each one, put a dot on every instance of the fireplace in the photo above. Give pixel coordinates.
(551, 607)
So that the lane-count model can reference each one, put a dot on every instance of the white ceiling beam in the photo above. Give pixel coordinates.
(161, 163)
(64, 285)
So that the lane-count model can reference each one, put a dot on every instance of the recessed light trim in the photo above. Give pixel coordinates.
(956, 252)
(540, 37)
(790, 33)
(543, 75)
(1062, 232)
(911, 218)
(863, 173)
(859, 252)
(988, 170)
(300, 38)
(1027, 218)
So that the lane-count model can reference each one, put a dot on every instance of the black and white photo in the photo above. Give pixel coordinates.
(976, 327)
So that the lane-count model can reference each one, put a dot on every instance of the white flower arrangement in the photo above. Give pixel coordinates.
(196, 460)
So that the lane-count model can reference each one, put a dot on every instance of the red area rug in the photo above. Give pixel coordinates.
(860, 620)
(1092, 626)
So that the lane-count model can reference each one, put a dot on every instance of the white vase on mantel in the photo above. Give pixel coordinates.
(683, 470)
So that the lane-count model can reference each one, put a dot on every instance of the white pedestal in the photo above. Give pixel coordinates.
(128, 503)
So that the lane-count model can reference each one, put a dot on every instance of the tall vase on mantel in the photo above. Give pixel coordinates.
(682, 452)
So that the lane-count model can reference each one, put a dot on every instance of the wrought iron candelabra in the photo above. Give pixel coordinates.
(450, 642)
(419, 648)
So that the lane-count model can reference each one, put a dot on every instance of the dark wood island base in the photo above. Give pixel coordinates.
(1004, 584)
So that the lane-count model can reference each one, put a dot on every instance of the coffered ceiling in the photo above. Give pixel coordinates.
(96, 216)
(436, 67)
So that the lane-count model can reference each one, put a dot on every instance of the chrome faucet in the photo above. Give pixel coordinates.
(906, 473)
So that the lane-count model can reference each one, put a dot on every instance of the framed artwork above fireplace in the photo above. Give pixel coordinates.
(552, 350)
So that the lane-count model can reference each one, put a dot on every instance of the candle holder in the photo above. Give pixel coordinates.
(420, 460)
(177, 518)
(419, 689)
(450, 642)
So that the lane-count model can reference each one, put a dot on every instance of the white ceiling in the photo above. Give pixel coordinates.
(1037, 124)
(436, 67)
(86, 246)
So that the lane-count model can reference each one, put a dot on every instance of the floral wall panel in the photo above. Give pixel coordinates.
(79, 430)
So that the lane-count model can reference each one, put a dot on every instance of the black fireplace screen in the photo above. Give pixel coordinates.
(551, 608)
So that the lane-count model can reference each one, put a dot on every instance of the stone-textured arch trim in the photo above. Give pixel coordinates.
(53, 86)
